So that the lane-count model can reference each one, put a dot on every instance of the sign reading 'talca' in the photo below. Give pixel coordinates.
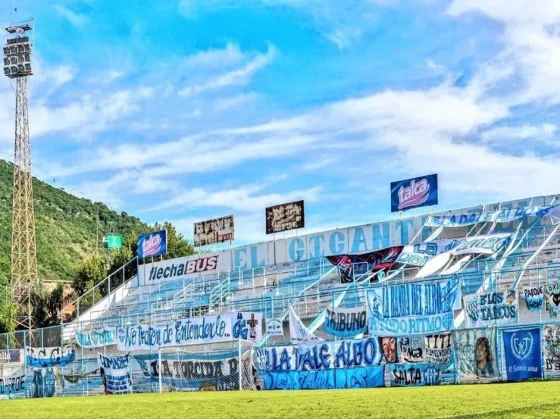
(413, 193)
(152, 244)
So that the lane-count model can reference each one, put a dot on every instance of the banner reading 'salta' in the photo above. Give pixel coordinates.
(413, 193)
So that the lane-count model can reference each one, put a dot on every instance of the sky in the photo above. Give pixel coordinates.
(185, 110)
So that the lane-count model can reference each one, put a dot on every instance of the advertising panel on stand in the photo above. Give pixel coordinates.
(152, 244)
(217, 230)
(413, 193)
(285, 217)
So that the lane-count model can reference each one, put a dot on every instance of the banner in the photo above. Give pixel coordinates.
(12, 384)
(285, 217)
(413, 308)
(49, 357)
(413, 375)
(553, 298)
(504, 215)
(151, 244)
(10, 355)
(491, 308)
(218, 230)
(326, 365)
(97, 338)
(389, 350)
(438, 349)
(346, 322)
(412, 349)
(359, 264)
(274, 327)
(298, 332)
(476, 354)
(43, 383)
(551, 349)
(114, 374)
(180, 371)
(414, 193)
(522, 350)
(207, 329)
(534, 298)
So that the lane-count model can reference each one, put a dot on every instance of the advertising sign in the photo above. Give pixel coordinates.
(285, 217)
(413, 193)
(152, 244)
(217, 230)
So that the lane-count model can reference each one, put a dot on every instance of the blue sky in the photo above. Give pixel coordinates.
(184, 110)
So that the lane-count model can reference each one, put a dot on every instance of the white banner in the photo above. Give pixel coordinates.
(491, 308)
(12, 384)
(114, 374)
(274, 327)
(298, 332)
(97, 338)
(504, 215)
(194, 330)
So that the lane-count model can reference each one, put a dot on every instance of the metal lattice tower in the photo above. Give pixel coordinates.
(17, 65)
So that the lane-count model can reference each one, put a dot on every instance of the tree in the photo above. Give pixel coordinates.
(90, 273)
(177, 245)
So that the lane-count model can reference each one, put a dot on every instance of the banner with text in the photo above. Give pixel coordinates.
(413, 308)
(412, 349)
(12, 384)
(346, 322)
(274, 327)
(114, 374)
(534, 298)
(476, 354)
(218, 230)
(438, 349)
(414, 193)
(49, 357)
(207, 329)
(522, 349)
(413, 375)
(215, 371)
(504, 215)
(491, 308)
(97, 338)
(552, 297)
(352, 363)
(551, 349)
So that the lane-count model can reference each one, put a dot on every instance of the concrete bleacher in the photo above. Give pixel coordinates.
(312, 285)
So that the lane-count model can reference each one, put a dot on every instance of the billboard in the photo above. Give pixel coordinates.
(214, 231)
(152, 244)
(413, 193)
(285, 217)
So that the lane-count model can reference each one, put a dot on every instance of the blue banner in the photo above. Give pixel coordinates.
(522, 350)
(534, 298)
(408, 375)
(413, 193)
(352, 363)
(49, 357)
(412, 309)
(152, 244)
(346, 322)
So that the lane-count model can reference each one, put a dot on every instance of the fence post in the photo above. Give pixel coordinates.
(240, 366)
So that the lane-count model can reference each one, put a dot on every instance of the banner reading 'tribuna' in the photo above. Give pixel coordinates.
(413, 193)
(152, 244)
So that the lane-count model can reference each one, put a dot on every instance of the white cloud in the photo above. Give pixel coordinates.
(211, 58)
(78, 20)
(237, 77)
(505, 134)
(225, 103)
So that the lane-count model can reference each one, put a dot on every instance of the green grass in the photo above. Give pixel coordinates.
(524, 400)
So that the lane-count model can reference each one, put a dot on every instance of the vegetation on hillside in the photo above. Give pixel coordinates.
(69, 232)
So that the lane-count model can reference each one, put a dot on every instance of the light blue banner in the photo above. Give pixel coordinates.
(346, 322)
(49, 357)
(411, 309)
(97, 338)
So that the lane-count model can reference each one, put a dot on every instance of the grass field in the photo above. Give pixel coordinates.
(530, 400)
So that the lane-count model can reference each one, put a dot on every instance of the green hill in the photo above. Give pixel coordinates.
(65, 228)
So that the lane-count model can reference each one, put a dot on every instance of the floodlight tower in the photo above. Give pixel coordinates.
(17, 65)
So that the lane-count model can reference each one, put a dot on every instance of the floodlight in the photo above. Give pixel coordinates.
(17, 52)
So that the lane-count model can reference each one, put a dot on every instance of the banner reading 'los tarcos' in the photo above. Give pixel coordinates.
(219, 328)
